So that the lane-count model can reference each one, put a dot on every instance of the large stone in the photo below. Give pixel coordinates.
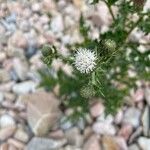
(5, 133)
(92, 143)
(109, 143)
(45, 144)
(144, 143)
(132, 116)
(42, 112)
(145, 121)
(147, 95)
(76, 139)
(21, 68)
(24, 87)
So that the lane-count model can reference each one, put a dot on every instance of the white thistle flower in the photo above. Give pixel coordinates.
(85, 60)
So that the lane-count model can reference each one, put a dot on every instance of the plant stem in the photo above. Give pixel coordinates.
(134, 26)
(110, 10)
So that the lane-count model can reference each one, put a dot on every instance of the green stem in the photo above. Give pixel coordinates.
(110, 10)
(134, 26)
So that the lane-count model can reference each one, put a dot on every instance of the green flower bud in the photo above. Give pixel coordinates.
(110, 44)
(48, 50)
(87, 91)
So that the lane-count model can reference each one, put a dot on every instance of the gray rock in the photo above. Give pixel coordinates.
(21, 68)
(45, 144)
(104, 128)
(74, 137)
(133, 147)
(1, 97)
(144, 143)
(147, 95)
(11, 18)
(132, 116)
(146, 121)
(4, 76)
(57, 24)
(65, 124)
(24, 87)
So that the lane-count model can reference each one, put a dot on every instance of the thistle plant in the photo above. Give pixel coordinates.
(100, 67)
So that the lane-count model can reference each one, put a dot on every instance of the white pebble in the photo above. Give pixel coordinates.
(6, 121)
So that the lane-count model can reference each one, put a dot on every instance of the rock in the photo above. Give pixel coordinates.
(4, 146)
(147, 95)
(12, 147)
(121, 143)
(24, 87)
(144, 143)
(125, 131)
(4, 76)
(109, 143)
(1, 97)
(138, 95)
(18, 36)
(6, 121)
(57, 24)
(9, 96)
(5, 133)
(81, 124)
(65, 123)
(146, 121)
(42, 112)
(16, 143)
(97, 109)
(2, 57)
(24, 25)
(76, 139)
(87, 133)
(21, 68)
(69, 147)
(133, 147)
(103, 128)
(36, 7)
(119, 116)
(134, 136)
(58, 134)
(92, 143)
(45, 144)
(21, 135)
(132, 116)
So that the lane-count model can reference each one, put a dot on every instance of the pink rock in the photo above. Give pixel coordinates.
(97, 109)
(125, 131)
(4, 146)
(19, 145)
(138, 95)
(121, 143)
(5, 133)
(92, 143)
(57, 134)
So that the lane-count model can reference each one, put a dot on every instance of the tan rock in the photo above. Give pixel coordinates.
(92, 143)
(42, 112)
(5, 133)
(21, 135)
(4, 146)
(12, 147)
(19, 145)
(109, 143)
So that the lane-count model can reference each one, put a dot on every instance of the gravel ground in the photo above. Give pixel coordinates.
(28, 123)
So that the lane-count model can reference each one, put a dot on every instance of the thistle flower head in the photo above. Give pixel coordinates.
(85, 60)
